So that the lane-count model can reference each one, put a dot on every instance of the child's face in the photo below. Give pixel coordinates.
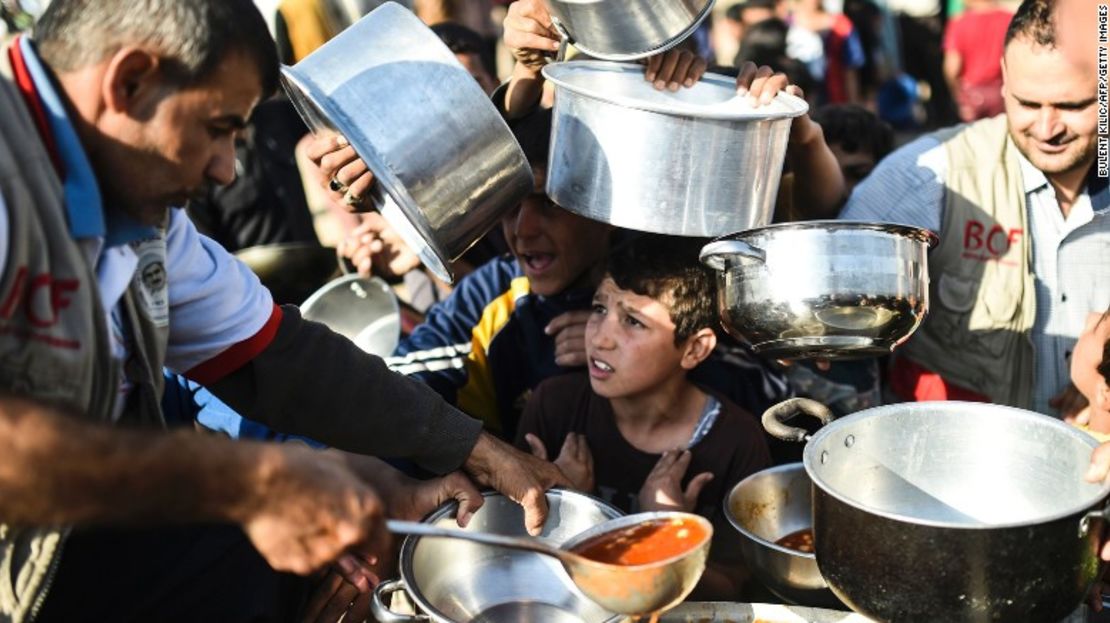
(556, 249)
(630, 345)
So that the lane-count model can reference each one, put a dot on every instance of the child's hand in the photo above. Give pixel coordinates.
(575, 459)
(662, 491)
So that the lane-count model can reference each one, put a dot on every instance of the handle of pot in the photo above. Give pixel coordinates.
(714, 254)
(564, 40)
(382, 613)
(774, 418)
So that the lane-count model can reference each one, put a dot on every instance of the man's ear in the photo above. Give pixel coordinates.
(698, 346)
(1002, 63)
(132, 78)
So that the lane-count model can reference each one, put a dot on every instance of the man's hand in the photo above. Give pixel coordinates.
(575, 459)
(760, 84)
(519, 476)
(529, 33)
(340, 171)
(662, 490)
(673, 69)
(375, 248)
(305, 508)
(569, 330)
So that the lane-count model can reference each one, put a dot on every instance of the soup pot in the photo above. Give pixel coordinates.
(363, 309)
(452, 580)
(765, 507)
(697, 162)
(951, 511)
(447, 165)
(625, 30)
(822, 288)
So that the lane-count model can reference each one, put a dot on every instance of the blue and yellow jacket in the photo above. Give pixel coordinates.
(484, 349)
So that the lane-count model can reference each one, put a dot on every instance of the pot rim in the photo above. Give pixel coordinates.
(830, 225)
(787, 467)
(809, 458)
(558, 73)
(633, 56)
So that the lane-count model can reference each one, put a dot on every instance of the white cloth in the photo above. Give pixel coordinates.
(1071, 258)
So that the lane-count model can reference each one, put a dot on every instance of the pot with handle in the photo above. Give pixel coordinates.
(827, 289)
(951, 511)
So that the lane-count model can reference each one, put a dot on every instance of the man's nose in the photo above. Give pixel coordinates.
(221, 167)
(1048, 123)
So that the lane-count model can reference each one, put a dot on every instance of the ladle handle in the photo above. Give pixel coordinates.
(715, 254)
(497, 540)
(774, 418)
(564, 40)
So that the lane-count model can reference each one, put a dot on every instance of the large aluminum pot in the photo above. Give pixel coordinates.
(447, 165)
(822, 288)
(625, 30)
(451, 580)
(952, 511)
(698, 162)
(765, 507)
(364, 309)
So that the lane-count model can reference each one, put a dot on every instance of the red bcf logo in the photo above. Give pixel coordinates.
(41, 297)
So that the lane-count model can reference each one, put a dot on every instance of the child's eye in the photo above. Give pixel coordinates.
(598, 308)
(633, 322)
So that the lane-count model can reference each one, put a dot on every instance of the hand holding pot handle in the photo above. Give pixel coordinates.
(774, 418)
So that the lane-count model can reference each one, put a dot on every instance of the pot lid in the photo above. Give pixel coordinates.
(623, 84)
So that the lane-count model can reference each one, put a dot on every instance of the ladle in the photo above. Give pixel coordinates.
(632, 590)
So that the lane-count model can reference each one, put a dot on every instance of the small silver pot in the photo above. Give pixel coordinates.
(698, 162)
(951, 511)
(451, 580)
(625, 30)
(822, 288)
(364, 309)
(765, 507)
(447, 165)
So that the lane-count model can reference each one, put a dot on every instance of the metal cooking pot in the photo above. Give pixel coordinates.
(625, 30)
(951, 511)
(362, 308)
(765, 507)
(697, 162)
(452, 580)
(822, 288)
(446, 164)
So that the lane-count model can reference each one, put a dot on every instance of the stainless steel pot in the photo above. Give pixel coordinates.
(766, 507)
(457, 581)
(362, 308)
(447, 166)
(625, 30)
(822, 288)
(698, 162)
(952, 511)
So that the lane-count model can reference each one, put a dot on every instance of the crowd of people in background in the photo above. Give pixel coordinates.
(598, 349)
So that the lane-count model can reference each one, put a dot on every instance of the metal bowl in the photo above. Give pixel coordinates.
(626, 154)
(766, 507)
(362, 308)
(455, 580)
(625, 30)
(447, 165)
(822, 288)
